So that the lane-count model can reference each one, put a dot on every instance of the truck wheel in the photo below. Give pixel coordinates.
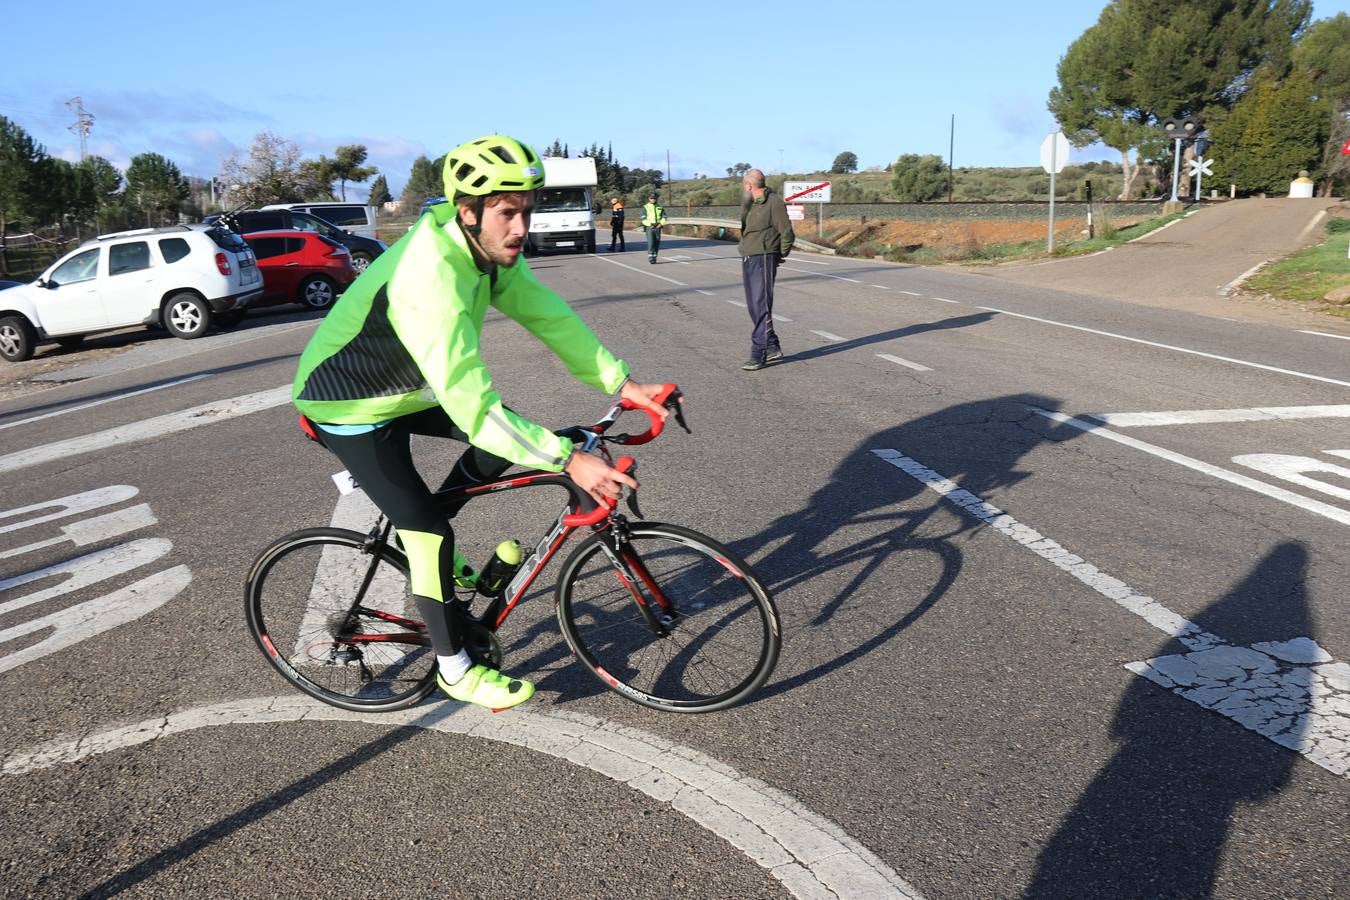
(590, 244)
(16, 338)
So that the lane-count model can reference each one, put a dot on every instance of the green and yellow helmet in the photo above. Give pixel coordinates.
(491, 164)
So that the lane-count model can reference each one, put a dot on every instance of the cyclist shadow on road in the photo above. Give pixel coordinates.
(872, 517)
(1154, 821)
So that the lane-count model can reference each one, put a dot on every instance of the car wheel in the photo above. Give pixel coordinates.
(230, 319)
(16, 338)
(70, 341)
(186, 316)
(590, 245)
(317, 292)
(360, 260)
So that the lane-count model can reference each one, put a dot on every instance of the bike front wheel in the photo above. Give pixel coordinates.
(717, 633)
(332, 612)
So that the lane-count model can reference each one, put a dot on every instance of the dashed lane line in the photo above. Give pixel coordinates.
(904, 362)
(944, 300)
(822, 274)
(808, 854)
(912, 293)
(827, 336)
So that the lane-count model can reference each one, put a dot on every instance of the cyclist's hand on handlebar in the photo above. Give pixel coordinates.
(644, 395)
(597, 477)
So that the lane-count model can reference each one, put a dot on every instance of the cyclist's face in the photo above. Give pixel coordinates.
(506, 221)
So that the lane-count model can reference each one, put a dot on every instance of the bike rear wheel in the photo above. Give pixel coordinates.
(335, 617)
(723, 633)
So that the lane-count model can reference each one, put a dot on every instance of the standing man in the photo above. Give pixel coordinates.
(653, 217)
(766, 240)
(616, 224)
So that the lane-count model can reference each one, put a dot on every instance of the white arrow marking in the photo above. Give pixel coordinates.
(1293, 692)
(808, 854)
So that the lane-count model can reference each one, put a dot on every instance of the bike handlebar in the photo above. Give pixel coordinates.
(624, 464)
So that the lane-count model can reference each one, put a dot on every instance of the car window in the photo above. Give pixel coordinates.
(295, 245)
(81, 267)
(267, 247)
(173, 249)
(129, 257)
(341, 215)
(305, 222)
(261, 221)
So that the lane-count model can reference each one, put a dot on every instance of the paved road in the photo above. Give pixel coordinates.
(1062, 578)
(1195, 263)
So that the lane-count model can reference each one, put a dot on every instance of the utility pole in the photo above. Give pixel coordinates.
(83, 121)
(780, 162)
(951, 150)
(668, 199)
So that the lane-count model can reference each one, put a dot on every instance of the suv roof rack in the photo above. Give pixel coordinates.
(139, 231)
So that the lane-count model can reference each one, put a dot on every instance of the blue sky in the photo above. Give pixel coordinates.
(785, 87)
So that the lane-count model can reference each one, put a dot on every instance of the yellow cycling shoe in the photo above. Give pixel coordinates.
(488, 687)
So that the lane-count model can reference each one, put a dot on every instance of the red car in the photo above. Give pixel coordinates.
(300, 267)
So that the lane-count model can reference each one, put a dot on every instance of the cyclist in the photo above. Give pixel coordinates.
(398, 355)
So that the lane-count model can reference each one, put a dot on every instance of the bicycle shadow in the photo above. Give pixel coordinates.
(977, 445)
(816, 573)
(1155, 820)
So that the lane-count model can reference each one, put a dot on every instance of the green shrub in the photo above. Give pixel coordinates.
(1337, 226)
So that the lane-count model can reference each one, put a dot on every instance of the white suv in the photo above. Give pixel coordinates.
(182, 277)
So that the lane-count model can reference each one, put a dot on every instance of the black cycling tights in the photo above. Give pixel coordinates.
(381, 462)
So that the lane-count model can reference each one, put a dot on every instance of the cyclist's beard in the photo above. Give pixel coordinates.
(502, 251)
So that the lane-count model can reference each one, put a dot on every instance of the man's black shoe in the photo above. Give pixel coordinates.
(774, 355)
(652, 260)
(753, 365)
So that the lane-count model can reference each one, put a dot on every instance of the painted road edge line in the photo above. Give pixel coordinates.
(804, 851)
(904, 362)
(1334, 513)
(1221, 416)
(1319, 731)
(1343, 337)
(83, 406)
(1123, 337)
(170, 423)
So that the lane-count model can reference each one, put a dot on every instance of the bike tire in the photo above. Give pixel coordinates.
(296, 598)
(720, 649)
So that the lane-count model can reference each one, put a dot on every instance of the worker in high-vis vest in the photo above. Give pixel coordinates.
(653, 217)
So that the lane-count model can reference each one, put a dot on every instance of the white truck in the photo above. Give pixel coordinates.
(564, 216)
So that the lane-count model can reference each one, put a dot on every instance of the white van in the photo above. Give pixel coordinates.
(354, 217)
(564, 217)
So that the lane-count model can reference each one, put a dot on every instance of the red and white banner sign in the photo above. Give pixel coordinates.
(806, 191)
(796, 212)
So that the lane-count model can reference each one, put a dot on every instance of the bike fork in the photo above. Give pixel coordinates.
(657, 610)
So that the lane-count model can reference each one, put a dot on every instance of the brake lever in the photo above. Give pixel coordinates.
(675, 406)
(633, 504)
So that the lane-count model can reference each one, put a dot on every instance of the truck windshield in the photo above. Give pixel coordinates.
(561, 200)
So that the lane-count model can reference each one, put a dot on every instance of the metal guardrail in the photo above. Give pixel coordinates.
(736, 226)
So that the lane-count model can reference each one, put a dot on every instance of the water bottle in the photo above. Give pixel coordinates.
(498, 572)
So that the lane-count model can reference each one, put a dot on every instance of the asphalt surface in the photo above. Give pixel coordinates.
(964, 578)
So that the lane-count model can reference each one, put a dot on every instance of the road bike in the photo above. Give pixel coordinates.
(661, 614)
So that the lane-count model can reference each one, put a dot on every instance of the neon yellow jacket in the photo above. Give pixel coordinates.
(404, 338)
(653, 214)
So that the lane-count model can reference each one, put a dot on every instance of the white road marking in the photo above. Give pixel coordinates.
(944, 300)
(810, 855)
(814, 262)
(1343, 337)
(1334, 513)
(1312, 223)
(1305, 707)
(827, 336)
(880, 287)
(778, 318)
(1232, 285)
(904, 362)
(1122, 337)
(1213, 416)
(822, 274)
(1294, 468)
(912, 293)
(71, 409)
(206, 414)
(614, 262)
(705, 293)
(740, 303)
